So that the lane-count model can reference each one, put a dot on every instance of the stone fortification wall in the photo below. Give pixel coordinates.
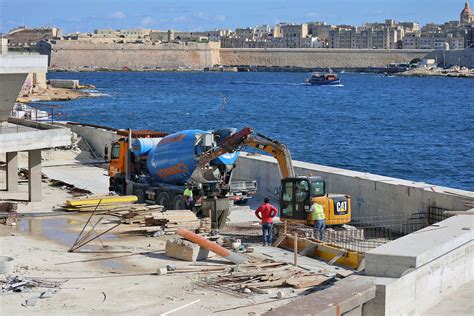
(74, 55)
(81, 55)
(317, 58)
(461, 57)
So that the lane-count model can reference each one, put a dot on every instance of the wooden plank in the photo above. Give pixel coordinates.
(279, 240)
(306, 281)
(307, 249)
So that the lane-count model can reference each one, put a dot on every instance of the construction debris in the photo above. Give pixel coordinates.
(22, 284)
(8, 214)
(258, 278)
(185, 250)
(71, 189)
(212, 246)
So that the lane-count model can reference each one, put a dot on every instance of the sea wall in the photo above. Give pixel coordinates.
(74, 55)
(317, 58)
(372, 195)
(461, 57)
(79, 55)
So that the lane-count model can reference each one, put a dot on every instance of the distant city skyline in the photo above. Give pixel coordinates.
(188, 15)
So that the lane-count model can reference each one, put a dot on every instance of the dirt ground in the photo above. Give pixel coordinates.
(113, 275)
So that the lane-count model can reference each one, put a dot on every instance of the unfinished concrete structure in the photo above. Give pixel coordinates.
(22, 135)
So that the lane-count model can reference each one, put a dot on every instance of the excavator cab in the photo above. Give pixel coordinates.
(298, 193)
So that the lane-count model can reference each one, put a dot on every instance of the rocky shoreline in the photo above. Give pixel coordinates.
(456, 72)
(56, 94)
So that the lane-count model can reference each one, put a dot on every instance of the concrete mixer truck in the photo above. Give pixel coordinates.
(158, 167)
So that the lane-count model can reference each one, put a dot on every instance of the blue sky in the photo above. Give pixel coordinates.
(87, 15)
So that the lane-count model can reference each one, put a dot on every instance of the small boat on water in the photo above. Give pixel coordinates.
(323, 79)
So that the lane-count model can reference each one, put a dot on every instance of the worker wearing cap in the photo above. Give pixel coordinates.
(317, 215)
(266, 212)
(188, 196)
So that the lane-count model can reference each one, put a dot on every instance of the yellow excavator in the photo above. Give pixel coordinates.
(297, 193)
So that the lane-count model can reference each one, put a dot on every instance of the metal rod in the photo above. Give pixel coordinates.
(85, 225)
(88, 241)
(296, 249)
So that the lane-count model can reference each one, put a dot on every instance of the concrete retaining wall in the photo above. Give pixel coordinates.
(317, 58)
(372, 195)
(98, 138)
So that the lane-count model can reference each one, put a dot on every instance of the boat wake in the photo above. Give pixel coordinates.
(256, 83)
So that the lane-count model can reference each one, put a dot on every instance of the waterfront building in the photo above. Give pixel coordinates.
(246, 33)
(469, 39)
(295, 35)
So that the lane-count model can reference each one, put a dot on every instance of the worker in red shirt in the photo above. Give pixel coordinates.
(265, 213)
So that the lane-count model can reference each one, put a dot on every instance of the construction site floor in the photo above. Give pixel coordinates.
(113, 275)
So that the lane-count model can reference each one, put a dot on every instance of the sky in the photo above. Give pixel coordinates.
(201, 15)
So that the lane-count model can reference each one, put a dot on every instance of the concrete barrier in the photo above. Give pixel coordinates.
(417, 271)
(64, 83)
(98, 138)
(372, 195)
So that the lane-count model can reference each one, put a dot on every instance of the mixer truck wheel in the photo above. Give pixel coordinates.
(118, 187)
(140, 194)
(163, 199)
(179, 203)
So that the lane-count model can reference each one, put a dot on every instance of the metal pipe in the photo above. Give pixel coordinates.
(211, 246)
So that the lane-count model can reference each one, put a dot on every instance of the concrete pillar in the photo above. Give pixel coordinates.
(12, 171)
(34, 175)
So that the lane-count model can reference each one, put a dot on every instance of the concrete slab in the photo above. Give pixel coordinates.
(80, 176)
(346, 297)
(396, 258)
(21, 138)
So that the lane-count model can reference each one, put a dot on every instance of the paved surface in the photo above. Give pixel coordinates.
(91, 178)
(458, 303)
(12, 128)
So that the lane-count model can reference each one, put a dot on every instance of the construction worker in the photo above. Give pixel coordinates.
(317, 215)
(188, 196)
(266, 212)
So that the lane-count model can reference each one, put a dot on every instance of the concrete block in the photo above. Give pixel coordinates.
(396, 258)
(185, 250)
(34, 175)
(64, 83)
(346, 297)
(419, 290)
(12, 171)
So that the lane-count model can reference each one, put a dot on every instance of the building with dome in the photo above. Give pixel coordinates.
(466, 16)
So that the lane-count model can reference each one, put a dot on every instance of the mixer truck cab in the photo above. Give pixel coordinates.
(297, 194)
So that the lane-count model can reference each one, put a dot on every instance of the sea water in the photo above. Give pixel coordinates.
(419, 129)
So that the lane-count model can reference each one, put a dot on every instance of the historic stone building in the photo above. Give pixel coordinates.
(467, 16)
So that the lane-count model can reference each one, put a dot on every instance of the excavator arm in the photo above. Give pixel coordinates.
(246, 137)
(278, 150)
